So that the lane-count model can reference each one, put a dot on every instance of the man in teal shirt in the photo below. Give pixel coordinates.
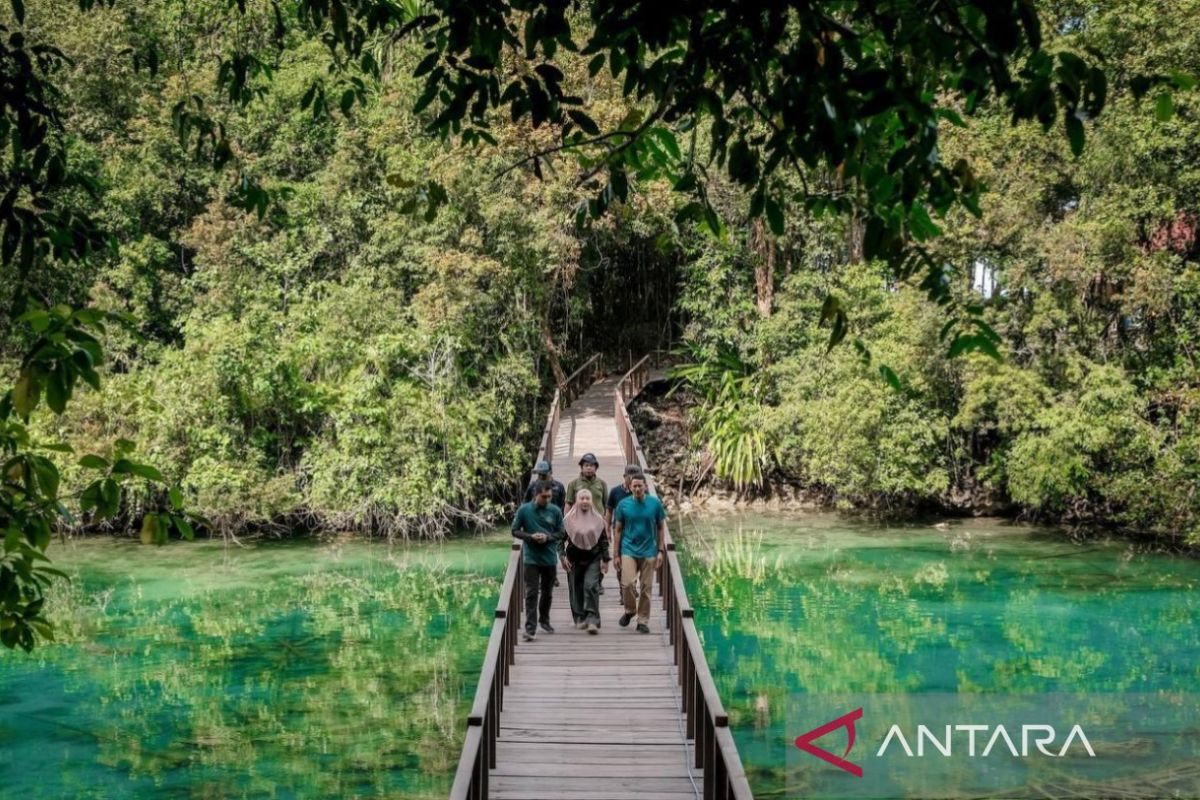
(640, 536)
(539, 524)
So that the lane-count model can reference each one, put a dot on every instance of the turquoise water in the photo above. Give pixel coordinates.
(297, 669)
(794, 610)
(345, 669)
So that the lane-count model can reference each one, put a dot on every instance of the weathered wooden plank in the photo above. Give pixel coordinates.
(585, 737)
(550, 793)
(603, 770)
(666, 760)
(649, 786)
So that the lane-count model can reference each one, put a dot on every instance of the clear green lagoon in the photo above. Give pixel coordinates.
(814, 605)
(308, 669)
(279, 670)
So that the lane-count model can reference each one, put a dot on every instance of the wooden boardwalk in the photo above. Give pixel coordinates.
(594, 717)
(614, 716)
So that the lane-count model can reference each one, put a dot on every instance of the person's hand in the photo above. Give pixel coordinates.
(540, 538)
(604, 567)
(658, 559)
(566, 564)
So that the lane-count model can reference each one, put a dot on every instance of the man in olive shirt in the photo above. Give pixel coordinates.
(640, 534)
(539, 524)
(587, 480)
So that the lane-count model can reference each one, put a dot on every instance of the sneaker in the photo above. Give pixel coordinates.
(601, 590)
(643, 628)
(593, 629)
(546, 627)
(624, 620)
(528, 636)
(581, 625)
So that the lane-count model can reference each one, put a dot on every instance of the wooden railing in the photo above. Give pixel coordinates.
(578, 381)
(707, 722)
(629, 387)
(483, 722)
(575, 385)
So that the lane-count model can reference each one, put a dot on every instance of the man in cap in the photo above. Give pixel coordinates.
(539, 524)
(588, 480)
(558, 492)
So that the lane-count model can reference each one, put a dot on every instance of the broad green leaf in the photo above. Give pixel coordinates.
(93, 461)
(146, 471)
(890, 376)
(774, 216)
(25, 393)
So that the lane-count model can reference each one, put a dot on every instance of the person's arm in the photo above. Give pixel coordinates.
(618, 528)
(518, 529)
(570, 498)
(560, 536)
(605, 554)
(662, 533)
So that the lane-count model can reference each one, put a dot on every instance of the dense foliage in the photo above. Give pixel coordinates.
(328, 252)
(1089, 271)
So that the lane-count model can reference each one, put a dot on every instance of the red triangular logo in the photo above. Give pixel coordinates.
(805, 742)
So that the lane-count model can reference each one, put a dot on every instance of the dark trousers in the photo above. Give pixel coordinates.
(583, 585)
(539, 580)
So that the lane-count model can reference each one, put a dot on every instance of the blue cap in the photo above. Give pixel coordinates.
(543, 467)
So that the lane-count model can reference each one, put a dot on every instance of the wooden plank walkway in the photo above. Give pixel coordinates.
(594, 717)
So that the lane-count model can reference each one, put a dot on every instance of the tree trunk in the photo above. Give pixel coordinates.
(854, 239)
(764, 268)
(560, 377)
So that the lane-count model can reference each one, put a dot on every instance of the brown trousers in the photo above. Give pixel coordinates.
(637, 571)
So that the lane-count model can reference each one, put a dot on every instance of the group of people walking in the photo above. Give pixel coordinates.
(583, 527)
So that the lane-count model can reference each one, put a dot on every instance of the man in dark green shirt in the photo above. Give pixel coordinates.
(539, 524)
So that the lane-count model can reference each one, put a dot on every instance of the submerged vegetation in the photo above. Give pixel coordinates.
(912, 620)
(308, 669)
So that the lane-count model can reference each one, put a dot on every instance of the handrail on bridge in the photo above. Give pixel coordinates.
(707, 722)
(483, 722)
(575, 384)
